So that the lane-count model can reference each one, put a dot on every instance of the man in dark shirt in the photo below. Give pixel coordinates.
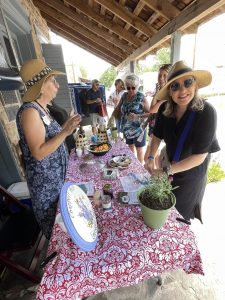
(94, 98)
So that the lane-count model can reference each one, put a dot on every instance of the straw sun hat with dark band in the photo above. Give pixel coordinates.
(180, 69)
(34, 72)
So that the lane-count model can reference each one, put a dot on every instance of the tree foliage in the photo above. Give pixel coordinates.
(83, 72)
(215, 172)
(108, 77)
(140, 69)
(162, 57)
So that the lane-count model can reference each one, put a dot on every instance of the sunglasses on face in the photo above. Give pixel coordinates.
(174, 87)
(131, 88)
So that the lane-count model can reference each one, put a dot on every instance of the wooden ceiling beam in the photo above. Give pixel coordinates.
(78, 35)
(192, 14)
(81, 44)
(136, 12)
(153, 17)
(163, 7)
(57, 16)
(102, 11)
(121, 2)
(88, 11)
(121, 12)
(84, 21)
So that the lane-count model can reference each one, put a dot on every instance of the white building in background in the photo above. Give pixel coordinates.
(73, 73)
(148, 81)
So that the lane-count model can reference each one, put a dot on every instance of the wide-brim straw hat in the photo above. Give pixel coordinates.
(181, 69)
(34, 72)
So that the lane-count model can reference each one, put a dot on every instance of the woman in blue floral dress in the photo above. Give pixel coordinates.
(42, 141)
(134, 109)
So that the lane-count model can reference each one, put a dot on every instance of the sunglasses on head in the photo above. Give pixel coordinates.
(131, 88)
(174, 87)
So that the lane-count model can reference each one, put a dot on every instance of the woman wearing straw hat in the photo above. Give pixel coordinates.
(42, 141)
(187, 124)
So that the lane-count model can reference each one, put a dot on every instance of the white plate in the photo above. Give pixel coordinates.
(122, 161)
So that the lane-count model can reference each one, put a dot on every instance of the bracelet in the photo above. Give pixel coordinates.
(151, 157)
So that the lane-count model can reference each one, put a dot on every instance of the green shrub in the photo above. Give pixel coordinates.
(215, 172)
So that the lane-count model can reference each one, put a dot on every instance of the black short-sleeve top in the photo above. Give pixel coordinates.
(93, 95)
(201, 137)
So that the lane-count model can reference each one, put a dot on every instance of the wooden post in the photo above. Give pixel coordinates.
(132, 66)
(175, 46)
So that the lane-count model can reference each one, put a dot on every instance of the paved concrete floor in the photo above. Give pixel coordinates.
(177, 285)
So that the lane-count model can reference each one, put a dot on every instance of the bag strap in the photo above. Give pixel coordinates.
(118, 107)
(183, 137)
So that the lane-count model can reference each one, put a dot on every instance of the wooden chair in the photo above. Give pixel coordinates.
(19, 231)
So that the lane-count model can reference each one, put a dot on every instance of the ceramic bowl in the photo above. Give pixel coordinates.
(98, 149)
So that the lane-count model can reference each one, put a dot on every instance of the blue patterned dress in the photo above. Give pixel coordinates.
(131, 129)
(46, 177)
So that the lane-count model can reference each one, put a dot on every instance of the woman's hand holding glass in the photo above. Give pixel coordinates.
(71, 124)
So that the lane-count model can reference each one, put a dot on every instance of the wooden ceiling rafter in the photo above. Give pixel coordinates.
(85, 22)
(136, 12)
(105, 22)
(131, 19)
(163, 7)
(57, 16)
(192, 14)
(85, 42)
(121, 31)
(122, 2)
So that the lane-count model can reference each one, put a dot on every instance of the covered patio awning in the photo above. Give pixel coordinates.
(125, 30)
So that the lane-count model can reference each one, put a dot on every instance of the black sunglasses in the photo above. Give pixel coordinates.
(131, 88)
(174, 87)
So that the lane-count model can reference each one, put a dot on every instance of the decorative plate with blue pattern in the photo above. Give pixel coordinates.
(78, 216)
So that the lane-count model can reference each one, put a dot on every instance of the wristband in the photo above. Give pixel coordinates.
(151, 157)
